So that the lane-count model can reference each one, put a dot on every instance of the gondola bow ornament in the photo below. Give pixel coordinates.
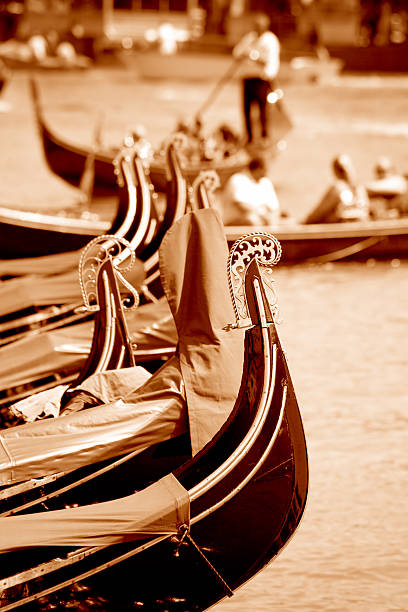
(94, 255)
(267, 251)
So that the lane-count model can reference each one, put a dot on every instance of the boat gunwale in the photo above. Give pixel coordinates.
(299, 231)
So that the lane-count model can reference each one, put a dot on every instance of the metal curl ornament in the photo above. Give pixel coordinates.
(118, 250)
(209, 178)
(202, 190)
(267, 251)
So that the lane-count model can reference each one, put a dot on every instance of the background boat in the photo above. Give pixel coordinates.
(68, 160)
(325, 242)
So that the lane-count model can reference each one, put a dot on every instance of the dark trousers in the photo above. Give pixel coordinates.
(255, 92)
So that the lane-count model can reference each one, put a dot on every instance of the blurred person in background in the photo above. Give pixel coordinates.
(249, 197)
(259, 55)
(388, 191)
(345, 200)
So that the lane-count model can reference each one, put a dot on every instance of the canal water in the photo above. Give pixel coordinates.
(344, 329)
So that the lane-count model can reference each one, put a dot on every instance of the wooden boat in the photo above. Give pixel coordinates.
(223, 514)
(31, 234)
(17, 54)
(40, 358)
(68, 160)
(325, 242)
(388, 58)
(67, 232)
(31, 304)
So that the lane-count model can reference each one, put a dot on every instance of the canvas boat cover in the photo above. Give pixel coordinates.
(150, 327)
(19, 293)
(205, 374)
(57, 262)
(160, 509)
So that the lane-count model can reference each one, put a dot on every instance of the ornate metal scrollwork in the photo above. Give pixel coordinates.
(134, 145)
(93, 256)
(267, 250)
(210, 180)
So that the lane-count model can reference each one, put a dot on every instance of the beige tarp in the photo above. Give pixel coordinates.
(159, 509)
(150, 327)
(194, 278)
(19, 293)
(207, 370)
(154, 412)
(57, 262)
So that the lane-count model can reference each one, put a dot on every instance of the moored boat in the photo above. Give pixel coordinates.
(203, 523)
(32, 234)
(68, 160)
(55, 353)
(31, 303)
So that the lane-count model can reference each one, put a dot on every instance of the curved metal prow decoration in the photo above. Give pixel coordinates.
(102, 248)
(265, 250)
(203, 188)
(176, 182)
(131, 172)
(100, 272)
(176, 198)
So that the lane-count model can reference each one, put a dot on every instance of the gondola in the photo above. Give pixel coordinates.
(33, 234)
(41, 358)
(203, 519)
(32, 303)
(68, 160)
(326, 242)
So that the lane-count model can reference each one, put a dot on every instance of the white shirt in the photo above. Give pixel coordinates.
(249, 202)
(263, 55)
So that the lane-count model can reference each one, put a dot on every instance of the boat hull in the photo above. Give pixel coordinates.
(386, 239)
(31, 234)
(237, 526)
(68, 160)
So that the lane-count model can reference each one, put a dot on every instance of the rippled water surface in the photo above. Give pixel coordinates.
(345, 331)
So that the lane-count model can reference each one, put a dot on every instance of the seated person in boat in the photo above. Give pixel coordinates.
(345, 200)
(249, 197)
(388, 191)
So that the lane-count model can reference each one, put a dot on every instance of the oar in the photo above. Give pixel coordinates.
(219, 85)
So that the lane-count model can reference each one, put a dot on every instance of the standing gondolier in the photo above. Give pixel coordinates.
(259, 52)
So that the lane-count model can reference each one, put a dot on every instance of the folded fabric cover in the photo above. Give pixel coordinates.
(57, 262)
(151, 413)
(193, 266)
(19, 293)
(150, 327)
(161, 508)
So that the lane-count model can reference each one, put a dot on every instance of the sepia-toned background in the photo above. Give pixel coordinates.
(344, 325)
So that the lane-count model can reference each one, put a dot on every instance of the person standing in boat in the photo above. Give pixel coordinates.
(249, 197)
(259, 55)
(345, 200)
